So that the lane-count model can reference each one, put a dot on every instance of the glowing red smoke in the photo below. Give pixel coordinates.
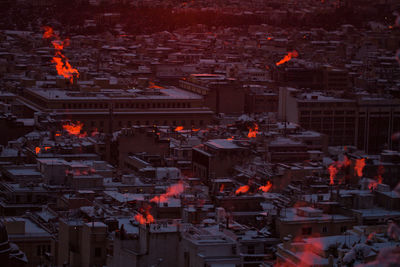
(288, 57)
(173, 190)
(63, 66)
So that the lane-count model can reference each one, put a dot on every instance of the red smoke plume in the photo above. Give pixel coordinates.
(267, 187)
(358, 168)
(243, 189)
(173, 190)
(288, 57)
(63, 67)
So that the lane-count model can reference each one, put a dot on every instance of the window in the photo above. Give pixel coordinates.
(343, 229)
(42, 249)
(324, 229)
(97, 252)
(250, 249)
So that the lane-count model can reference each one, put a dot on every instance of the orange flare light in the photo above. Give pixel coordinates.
(221, 189)
(154, 86)
(332, 173)
(335, 167)
(243, 189)
(253, 131)
(381, 170)
(63, 67)
(358, 169)
(173, 190)
(179, 128)
(288, 57)
(144, 217)
(37, 150)
(267, 187)
(374, 184)
(73, 129)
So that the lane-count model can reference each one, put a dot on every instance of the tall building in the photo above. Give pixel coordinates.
(217, 157)
(365, 121)
(378, 119)
(221, 94)
(332, 116)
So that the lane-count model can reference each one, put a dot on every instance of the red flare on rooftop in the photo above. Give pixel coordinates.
(358, 168)
(381, 171)
(179, 128)
(48, 32)
(332, 173)
(379, 178)
(253, 131)
(288, 57)
(221, 189)
(335, 167)
(63, 66)
(173, 190)
(144, 217)
(372, 185)
(243, 189)
(74, 129)
(152, 85)
(37, 150)
(267, 187)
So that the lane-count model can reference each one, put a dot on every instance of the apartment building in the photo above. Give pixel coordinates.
(335, 117)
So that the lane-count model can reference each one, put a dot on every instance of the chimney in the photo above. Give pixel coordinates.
(287, 240)
(330, 260)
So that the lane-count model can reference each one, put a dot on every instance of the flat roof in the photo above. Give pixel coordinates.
(115, 94)
(222, 144)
